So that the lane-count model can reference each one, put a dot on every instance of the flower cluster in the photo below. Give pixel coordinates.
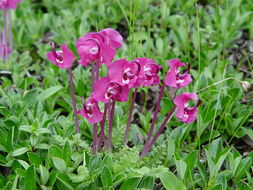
(97, 48)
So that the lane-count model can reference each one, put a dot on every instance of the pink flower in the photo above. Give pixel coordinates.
(149, 72)
(91, 111)
(173, 78)
(98, 46)
(185, 113)
(64, 58)
(106, 90)
(124, 72)
(112, 37)
(10, 4)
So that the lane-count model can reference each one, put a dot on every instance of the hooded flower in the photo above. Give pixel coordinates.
(112, 37)
(98, 46)
(10, 4)
(149, 72)
(91, 111)
(124, 72)
(106, 90)
(64, 58)
(185, 113)
(173, 78)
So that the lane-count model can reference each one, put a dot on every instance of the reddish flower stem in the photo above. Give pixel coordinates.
(97, 71)
(95, 138)
(10, 30)
(5, 46)
(148, 147)
(155, 115)
(102, 129)
(73, 99)
(130, 116)
(93, 75)
(111, 116)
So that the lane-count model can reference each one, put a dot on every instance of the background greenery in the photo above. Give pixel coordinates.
(38, 144)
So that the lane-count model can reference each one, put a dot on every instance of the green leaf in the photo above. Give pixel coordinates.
(181, 168)
(170, 181)
(20, 151)
(34, 159)
(147, 183)
(44, 131)
(49, 92)
(95, 163)
(55, 151)
(29, 183)
(67, 153)
(63, 178)
(248, 132)
(44, 174)
(107, 161)
(191, 160)
(24, 164)
(211, 164)
(131, 183)
(15, 183)
(59, 164)
(243, 167)
(106, 177)
(26, 128)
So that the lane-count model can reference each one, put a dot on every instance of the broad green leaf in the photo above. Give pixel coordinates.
(34, 159)
(15, 183)
(55, 151)
(24, 164)
(107, 161)
(66, 153)
(249, 132)
(63, 178)
(147, 183)
(29, 183)
(59, 164)
(106, 177)
(20, 151)
(221, 159)
(170, 181)
(181, 168)
(49, 92)
(131, 183)
(44, 174)
(243, 167)
(26, 128)
(211, 164)
(95, 163)
(191, 160)
(44, 131)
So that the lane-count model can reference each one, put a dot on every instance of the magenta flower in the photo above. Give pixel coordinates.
(185, 113)
(112, 37)
(97, 47)
(106, 90)
(149, 72)
(10, 4)
(64, 58)
(173, 78)
(91, 111)
(125, 72)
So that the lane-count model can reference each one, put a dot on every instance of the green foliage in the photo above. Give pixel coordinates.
(38, 145)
